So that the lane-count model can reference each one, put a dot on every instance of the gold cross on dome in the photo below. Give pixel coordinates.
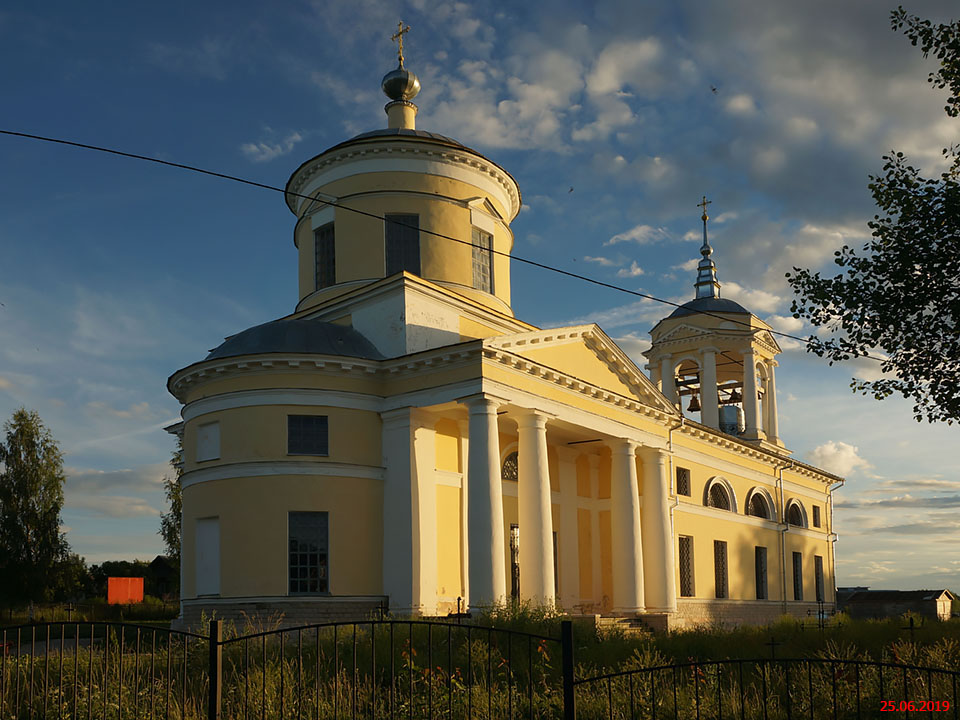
(703, 204)
(398, 36)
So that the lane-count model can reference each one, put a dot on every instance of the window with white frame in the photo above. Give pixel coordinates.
(482, 260)
(685, 552)
(208, 442)
(718, 497)
(402, 243)
(307, 435)
(758, 506)
(720, 568)
(795, 514)
(683, 481)
(325, 256)
(308, 560)
(797, 576)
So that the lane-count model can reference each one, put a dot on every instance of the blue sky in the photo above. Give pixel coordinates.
(614, 117)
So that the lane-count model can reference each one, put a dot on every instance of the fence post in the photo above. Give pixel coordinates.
(566, 643)
(216, 668)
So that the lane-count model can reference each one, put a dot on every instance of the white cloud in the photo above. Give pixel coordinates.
(641, 234)
(634, 346)
(725, 217)
(112, 506)
(605, 262)
(265, 151)
(687, 266)
(741, 104)
(790, 325)
(88, 481)
(5, 384)
(625, 64)
(633, 271)
(838, 457)
(756, 301)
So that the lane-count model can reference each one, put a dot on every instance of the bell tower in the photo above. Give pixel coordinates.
(715, 360)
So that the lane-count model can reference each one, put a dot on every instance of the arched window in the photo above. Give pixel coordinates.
(795, 515)
(758, 506)
(717, 493)
(719, 497)
(509, 469)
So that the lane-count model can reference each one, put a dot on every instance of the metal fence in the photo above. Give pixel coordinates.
(422, 669)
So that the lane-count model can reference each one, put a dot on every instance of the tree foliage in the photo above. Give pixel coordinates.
(31, 497)
(172, 520)
(900, 293)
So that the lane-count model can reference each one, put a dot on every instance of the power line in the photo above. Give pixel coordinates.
(334, 203)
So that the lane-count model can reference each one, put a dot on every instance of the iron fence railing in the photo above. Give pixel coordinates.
(423, 669)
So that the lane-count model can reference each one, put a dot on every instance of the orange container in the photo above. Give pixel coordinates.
(124, 590)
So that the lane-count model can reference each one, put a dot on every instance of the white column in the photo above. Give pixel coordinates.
(709, 406)
(751, 405)
(770, 397)
(485, 506)
(569, 536)
(424, 487)
(464, 506)
(654, 373)
(398, 509)
(596, 559)
(667, 379)
(536, 518)
(660, 592)
(625, 529)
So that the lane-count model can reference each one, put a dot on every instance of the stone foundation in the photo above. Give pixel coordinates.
(729, 613)
(260, 614)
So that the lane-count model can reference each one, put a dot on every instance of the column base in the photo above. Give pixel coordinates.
(627, 611)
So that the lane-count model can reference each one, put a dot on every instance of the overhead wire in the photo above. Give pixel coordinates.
(334, 203)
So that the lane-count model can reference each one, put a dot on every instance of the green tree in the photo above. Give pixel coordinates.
(31, 496)
(900, 294)
(172, 520)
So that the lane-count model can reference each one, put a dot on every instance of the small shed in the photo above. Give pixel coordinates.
(124, 590)
(863, 604)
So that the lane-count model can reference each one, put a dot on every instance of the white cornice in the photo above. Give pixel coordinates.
(257, 398)
(271, 469)
(390, 154)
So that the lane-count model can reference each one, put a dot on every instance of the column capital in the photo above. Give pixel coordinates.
(531, 417)
(623, 446)
(482, 403)
(397, 415)
(654, 452)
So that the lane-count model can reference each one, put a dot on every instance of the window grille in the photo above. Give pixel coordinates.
(509, 470)
(482, 260)
(758, 506)
(686, 566)
(308, 560)
(795, 515)
(325, 255)
(720, 567)
(818, 576)
(402, 236)
(683, 481)
(307, 435)
(797, 576)
(719, 497)
(760, 564)
(816, 516)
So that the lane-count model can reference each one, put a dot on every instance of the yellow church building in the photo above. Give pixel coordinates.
(403, 439)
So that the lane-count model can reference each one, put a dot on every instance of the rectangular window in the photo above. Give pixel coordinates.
(208, 442)
(307, 435)
(686, 566)
(308, 560)
(683, 481)
(760, 565)
(818, 576)
(324, 249)
(482, 260)
(207, 557)
(402, 238)
(797, 576)
(816, 516)
(720, 567)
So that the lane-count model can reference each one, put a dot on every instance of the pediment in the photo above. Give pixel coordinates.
(684, 332)
(483, 204)
(585, 353)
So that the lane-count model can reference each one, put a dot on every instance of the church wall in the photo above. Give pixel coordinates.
(253, 531)
(449, 545)
(273, 378)
(471, 329)
(440, 203)
(251, 434)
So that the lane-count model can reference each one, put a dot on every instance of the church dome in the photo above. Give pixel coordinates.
(400, 84)
(710, 305)
(297, 336)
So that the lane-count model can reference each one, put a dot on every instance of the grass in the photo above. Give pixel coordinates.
(411, 669)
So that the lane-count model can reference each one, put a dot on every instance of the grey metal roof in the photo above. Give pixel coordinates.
(709, 304)
(297, 336)
(405, 132)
